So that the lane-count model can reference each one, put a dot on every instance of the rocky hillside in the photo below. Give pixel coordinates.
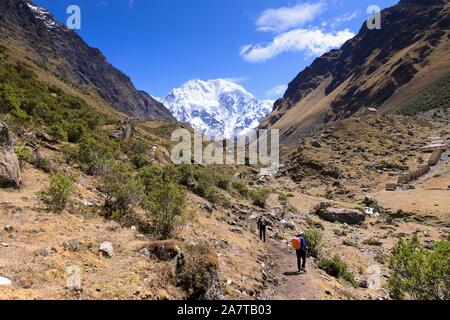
(377, 68)
(61, 51)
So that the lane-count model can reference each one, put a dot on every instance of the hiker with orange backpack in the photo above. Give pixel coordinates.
(299, 244)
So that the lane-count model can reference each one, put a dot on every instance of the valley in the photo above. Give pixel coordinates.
(92, 206)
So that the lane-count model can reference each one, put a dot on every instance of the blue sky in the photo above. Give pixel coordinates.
(262, 44)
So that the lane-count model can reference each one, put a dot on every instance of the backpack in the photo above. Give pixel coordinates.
(297, 243)
(262, 223)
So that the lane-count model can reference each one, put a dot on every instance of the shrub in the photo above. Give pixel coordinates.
(259, 196)
(337, 268)
(198, 273)
(242, 188)
(94, 152)
(57, 193)
(165, 199)
(283, 199)
(313, 238)
(8, 99)
(419, 273)
(139, 160)
(75, 132)
(186, 175)
(23, 154)
(57, 132)
(122, 190)
(208, 177)
(137, 150)
(212, 194)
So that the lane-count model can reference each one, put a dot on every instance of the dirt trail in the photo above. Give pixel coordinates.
(292, 285)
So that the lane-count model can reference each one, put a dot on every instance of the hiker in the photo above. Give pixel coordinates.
(300, 247)
(262, 224)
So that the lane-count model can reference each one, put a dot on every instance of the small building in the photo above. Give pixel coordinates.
(369, 111)
(391, 187)
(435, 144)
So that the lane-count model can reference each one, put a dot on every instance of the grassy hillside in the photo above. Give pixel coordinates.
(436, 96)
(27, 102)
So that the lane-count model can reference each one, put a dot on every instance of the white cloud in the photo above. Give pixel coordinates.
(277, 91)
(314, 42)
(285, 18)
(344, 18)
(237, 80)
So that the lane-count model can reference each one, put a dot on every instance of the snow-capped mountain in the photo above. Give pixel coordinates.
(218, 108)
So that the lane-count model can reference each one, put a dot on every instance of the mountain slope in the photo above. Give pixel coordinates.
(59, 50)
(377, 68)
(217, 107)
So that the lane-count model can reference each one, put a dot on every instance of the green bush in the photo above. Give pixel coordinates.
(165, 198)
(30, 101)
(137, 150)
(122, 191)
(210, 177)
(57, 132)
(94, 152)
(23, 154)
(313, 238)
(260, 196)
(57, 193)
(242, 188)
(337, 268)
(212, 194)
(418, 273)
(75, 132)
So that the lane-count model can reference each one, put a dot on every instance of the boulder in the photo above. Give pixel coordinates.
(106, 249)
(9, 164)
(287, 224)
(316, 144)
(164, 250)
(342, 215)
(5, 281)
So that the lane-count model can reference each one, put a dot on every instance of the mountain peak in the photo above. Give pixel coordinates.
(217, 107)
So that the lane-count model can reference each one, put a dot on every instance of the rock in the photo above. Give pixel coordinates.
(342, 215)
(287, 225)
(106, 249)
(87, 203)
(73, 281)
(236, 230)
(316, 144)
(47, 251)
(9, 164)
(4, 244)
(8, 228)
(372, 212)
(164, 250)
(74, 245)
(5, 281)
